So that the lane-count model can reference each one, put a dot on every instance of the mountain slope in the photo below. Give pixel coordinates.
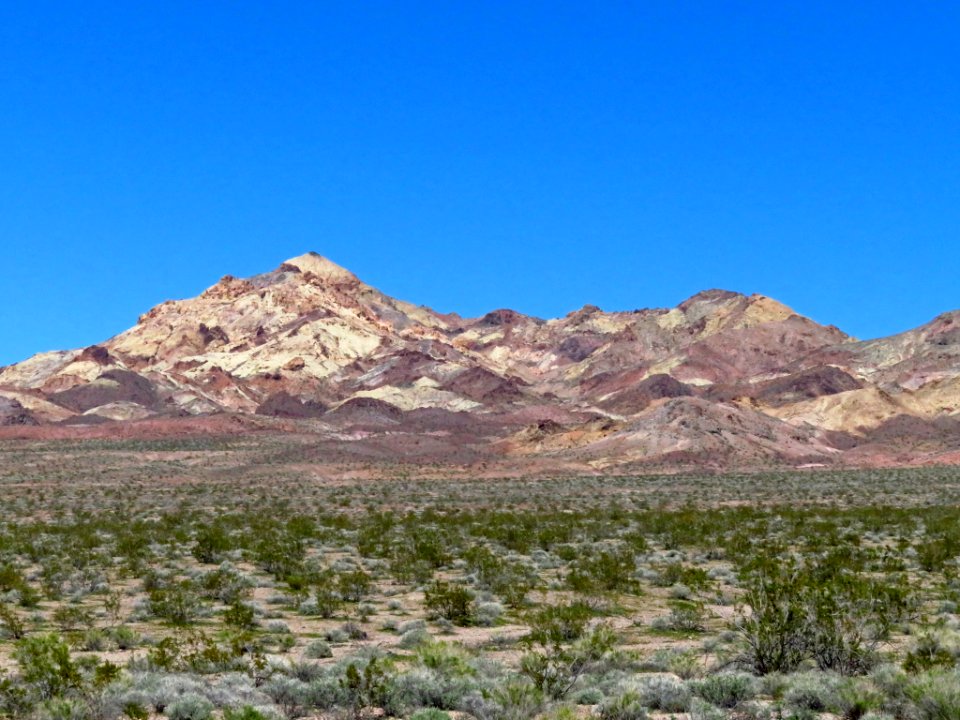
(723, 379)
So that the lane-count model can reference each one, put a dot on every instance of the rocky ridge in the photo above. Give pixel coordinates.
(721, 380)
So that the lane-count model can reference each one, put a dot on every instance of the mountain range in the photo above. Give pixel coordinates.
(723, 380)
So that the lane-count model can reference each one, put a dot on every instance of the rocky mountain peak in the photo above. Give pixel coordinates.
(321, 267)
(310, 343)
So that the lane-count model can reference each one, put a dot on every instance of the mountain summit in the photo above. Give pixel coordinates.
(723, 379)
(320, 266)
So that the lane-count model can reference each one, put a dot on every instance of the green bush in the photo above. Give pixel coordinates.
(555, 669)
(327, 597)
(676, 573)
(177, 603)
(211, 543)
(936, 695)
(241, 616)
(605, 571)
(928, 653)
(46, 665)
(11, 626)
(355, 585)
(559, 623)
(247, 712)
(451, 602)
(367, 687)
(430, 714)
(135, 711)
(684, 617)
(856, 698)
(774, 629)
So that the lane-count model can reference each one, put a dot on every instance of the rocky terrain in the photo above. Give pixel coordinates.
(309, 350)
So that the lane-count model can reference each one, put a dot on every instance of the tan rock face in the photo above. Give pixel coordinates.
(721, 379)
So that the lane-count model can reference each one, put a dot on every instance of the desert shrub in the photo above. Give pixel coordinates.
(46, 666)
(353, 631)
(303, 671)
(555, 668)
(292, 695)
(414, 637)
(92, 640)
(212, 541)
(511, 581)
(197, 652)
(936, 695)
(190, 707)
(893, 684)
(71, 617)
(133, 710)
(774, 629)
(855, 698)
(589, 696)
(559, 623)
(366, 687)
(247, 712)
(279, 552)
(430, 714)
(325, 692)
(447, 658)
(283, 642)
(16, 700)
(702, 710)
(318, 649)
(927, 653)
(427, 545)
(336, 636)
(686, 664)
(177, 603)
(64, 709)
(278, 627)
(826, 610)
(428, 687)
(603, 571)
(240, 615)
(726, 690)
(11, 626)
(355, 585)
(13, 581)
(676, 573)
(933, 554)
(684, 617)
(124, 637)
(452, 602)
(327, 597)
(627, 705)
(663, 692)
(488, 613)
(814, 691)
(842, 635)
(225, 584)
(515, 700)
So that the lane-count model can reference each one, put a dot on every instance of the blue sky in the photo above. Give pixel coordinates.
(469, 156)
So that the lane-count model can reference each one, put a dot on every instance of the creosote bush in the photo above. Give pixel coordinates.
(451, 602)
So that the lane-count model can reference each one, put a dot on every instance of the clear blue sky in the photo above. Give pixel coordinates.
(476, 155)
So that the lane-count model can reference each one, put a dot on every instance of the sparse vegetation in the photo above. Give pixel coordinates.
(247, 599)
